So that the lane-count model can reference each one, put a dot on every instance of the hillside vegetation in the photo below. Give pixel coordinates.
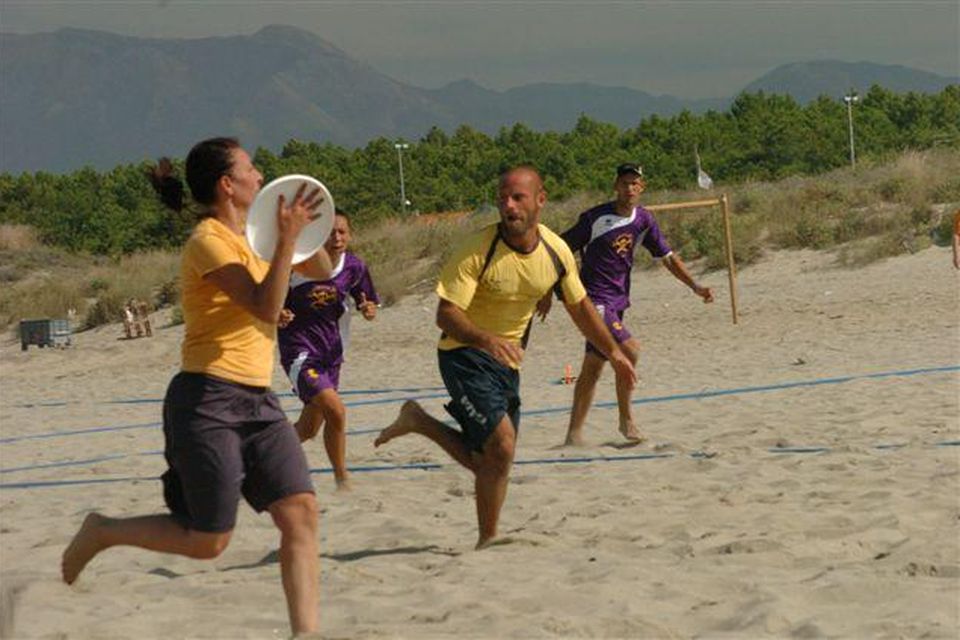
(761, 138)
(878, 210)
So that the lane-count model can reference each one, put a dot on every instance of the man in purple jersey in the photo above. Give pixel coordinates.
(606, 236)
(313, 332)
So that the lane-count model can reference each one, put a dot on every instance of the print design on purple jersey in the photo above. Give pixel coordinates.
(322, 295)
(320, 327)
(622, 244)
(606, 242)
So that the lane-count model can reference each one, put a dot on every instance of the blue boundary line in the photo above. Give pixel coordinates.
(433, 466)
(143, 425)
(703, 394)
(79, 432)
(67, 483)
(642, 456)
(76, 463)
(286, 394)
(414, 466)
(697, 395)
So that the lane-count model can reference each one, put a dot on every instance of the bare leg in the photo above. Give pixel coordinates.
(413, 419)
(310, 420)
(334, 418)
(583, 393)
(296, 517)
(631, 348)
(492, 479)
(157, 533)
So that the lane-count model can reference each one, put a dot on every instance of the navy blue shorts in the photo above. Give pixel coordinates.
(482, 392)
(224, 440)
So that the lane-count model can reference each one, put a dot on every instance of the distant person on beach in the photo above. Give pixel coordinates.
(142, 313)
(488, 293)
(314, 331)
(606, 237)
(956, 239)
(225, 434)
(129, 321)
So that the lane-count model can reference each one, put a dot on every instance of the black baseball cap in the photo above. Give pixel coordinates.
(629, 167)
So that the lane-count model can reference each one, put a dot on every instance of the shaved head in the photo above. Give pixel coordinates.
(520, 198)
(523, 174)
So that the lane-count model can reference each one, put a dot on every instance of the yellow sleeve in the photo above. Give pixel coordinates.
(460, 275)
(570, 284)
(207, 252)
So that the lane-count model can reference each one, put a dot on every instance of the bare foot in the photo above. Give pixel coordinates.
(494, 541)
(574, 439)
(344, 484)
(411, 414)
(483, 543)
(84, 546)
(630, 431)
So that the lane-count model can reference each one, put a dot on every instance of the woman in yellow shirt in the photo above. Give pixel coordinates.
(224, 431)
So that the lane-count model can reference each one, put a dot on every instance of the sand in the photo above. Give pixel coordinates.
(801, 479)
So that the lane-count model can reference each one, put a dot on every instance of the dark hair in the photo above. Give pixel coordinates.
(337, 211)
(206, 163)
(168, 186)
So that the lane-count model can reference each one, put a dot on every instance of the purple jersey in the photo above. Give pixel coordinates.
(606, 241)
(320, 326)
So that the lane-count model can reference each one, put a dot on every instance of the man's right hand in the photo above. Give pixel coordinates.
(543, 306)
(504, 351)
(286, 317)
(623, 368)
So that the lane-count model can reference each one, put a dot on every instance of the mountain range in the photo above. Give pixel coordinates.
(77, 97)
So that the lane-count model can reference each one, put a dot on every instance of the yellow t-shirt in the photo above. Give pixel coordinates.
(222, 338)
(503, 300)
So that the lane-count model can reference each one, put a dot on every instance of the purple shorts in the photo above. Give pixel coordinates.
(614, 321)
(310, 376)
(224, 440)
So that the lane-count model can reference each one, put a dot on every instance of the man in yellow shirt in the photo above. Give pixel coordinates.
(488, 292)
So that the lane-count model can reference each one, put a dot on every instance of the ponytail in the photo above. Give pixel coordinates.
(206, 163)
(168, 186)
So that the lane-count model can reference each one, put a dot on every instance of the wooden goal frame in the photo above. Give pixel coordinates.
(724, 203)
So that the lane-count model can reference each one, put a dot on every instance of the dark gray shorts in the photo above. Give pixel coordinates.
(224, 440)
(483, 391)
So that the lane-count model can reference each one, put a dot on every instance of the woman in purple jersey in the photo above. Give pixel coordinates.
(314, 328)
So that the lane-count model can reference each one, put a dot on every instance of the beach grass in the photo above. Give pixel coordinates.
(880, 209)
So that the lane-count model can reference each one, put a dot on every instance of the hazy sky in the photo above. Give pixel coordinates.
(688, 48)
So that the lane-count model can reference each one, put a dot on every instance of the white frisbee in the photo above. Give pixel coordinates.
(262, 218)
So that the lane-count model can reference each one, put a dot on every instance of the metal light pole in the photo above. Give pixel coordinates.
(400, 146)
(850, 99)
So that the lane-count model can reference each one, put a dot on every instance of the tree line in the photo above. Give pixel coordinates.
(761, 137)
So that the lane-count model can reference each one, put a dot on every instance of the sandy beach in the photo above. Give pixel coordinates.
(801, 478)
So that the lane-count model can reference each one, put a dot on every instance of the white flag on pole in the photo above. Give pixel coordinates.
(705, 181)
